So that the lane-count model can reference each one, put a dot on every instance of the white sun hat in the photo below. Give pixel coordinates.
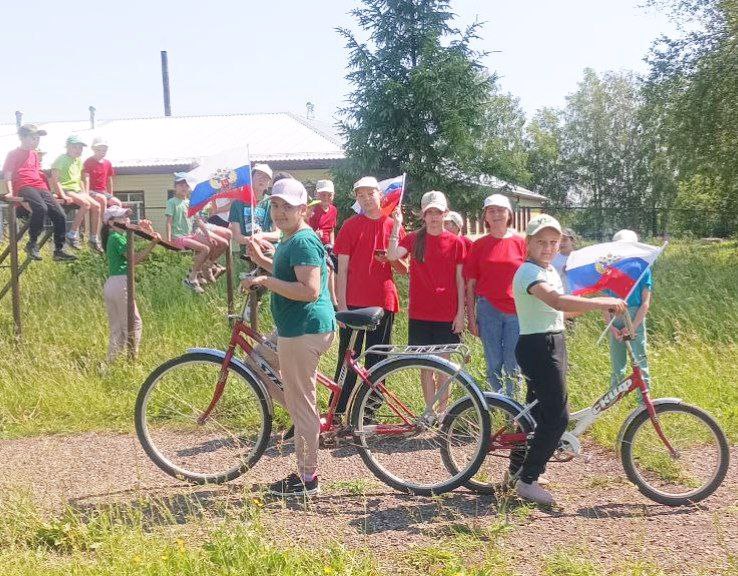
(291, 191)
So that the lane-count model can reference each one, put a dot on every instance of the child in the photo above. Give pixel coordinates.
(454, 223)
(24, 179)
(67, 183)
(436, 283)
(541, 350)
(180, 232)
(324, 217)
(98, 173)
(115, 241)
(567, 246)
(638, 305)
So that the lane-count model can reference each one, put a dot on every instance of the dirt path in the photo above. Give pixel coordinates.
(600, 512)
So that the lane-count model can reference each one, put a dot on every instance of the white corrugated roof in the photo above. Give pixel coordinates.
(508, 188)
(173, 140)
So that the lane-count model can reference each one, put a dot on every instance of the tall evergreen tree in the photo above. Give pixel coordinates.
(421, 101)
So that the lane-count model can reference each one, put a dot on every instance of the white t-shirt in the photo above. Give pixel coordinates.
(534, 315)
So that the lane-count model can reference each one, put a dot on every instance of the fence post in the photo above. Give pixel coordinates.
(229, 279)
(14, 274)
(131, 292)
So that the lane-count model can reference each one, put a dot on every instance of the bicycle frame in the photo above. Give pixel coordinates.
(244, 337)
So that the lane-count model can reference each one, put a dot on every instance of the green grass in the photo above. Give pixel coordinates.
(54, 382)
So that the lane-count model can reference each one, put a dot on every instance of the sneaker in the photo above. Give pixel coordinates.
(534, 493)
(61, 256)
(193, 285)
(74, 242)
(509, 479)
(96, 246)
(33, 251)
(293, 486)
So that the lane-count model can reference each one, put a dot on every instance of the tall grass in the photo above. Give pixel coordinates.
(55, 380)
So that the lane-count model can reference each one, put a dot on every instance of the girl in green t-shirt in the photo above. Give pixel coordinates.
(115, 241)
(541, 304)
(305, 321)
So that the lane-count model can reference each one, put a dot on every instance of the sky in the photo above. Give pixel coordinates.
(231, 56)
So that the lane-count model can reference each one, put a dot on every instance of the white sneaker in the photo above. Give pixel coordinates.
(534, 493)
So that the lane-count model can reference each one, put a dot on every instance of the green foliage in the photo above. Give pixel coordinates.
(423, 103)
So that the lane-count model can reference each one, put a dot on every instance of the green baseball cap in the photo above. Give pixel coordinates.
(75, 140)
(535, 225)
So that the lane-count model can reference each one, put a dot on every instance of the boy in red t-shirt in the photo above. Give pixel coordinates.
(324, 216)
(24, 179)
(98, 172)
(365, 275)
(436, 284)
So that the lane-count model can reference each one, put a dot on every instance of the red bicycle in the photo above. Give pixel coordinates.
(206, 416)
(675, 453)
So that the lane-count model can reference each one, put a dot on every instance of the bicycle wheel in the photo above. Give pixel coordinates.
(701, 460)
(399, 435)
(230, 440)
(507, 438)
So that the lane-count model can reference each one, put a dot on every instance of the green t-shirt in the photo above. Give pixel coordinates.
(116, 250)
(177, 209)
(294, 318)
(70, 172)
(534, 316)
(241, 212)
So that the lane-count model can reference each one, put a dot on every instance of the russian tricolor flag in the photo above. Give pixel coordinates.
(616, 266)
(392, 191)
(223, 175)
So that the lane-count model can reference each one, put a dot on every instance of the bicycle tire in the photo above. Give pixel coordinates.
(422, 474)
(489, 478)
(632, 465)
(156, 444)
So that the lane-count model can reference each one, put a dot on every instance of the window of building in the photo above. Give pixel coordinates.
(133, 199)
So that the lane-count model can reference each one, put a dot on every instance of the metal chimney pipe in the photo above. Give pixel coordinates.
(18, 118)
(165, 82)
(92, 117)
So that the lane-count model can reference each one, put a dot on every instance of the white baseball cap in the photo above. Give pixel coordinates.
(324, 186)
(625, 236)
(264, 169)
(454, 217)
(115, 212)
(535, 225)
(433, 199)
(291, 191)
(99, 141)
(498, 200)
(367, 182)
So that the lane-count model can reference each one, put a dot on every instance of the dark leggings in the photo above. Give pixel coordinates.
(382, 335)
(542, 360)
(42, 204)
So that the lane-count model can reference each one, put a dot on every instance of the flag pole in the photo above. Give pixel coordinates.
(251, 179)
(402, 191)
(663, 246)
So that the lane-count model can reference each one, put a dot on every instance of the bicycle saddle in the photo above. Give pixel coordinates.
(361, 318)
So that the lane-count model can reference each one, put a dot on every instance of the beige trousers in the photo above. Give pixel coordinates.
(116, 302)
(298, 364)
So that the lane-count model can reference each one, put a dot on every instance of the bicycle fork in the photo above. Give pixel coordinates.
(220, 386)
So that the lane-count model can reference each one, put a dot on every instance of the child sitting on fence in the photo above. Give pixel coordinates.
(208, 242)
(115, 240)
(68, 185)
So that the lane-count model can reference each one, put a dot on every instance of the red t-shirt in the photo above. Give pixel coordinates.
(99, 173)
(324, 222)
(24, 169)
(467, 244)
(369, 282)
(433, 294)
(492, 262)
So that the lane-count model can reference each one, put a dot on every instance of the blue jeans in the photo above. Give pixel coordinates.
(499, 334)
